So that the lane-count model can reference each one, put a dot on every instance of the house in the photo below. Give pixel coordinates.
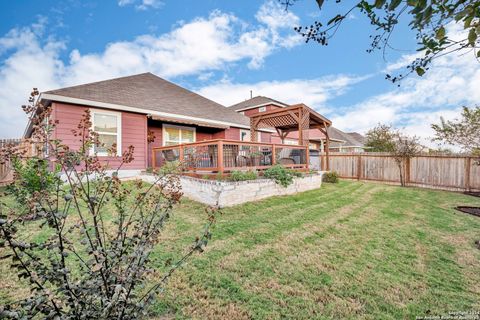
(340, 141)
(127, 110)
(156, 116)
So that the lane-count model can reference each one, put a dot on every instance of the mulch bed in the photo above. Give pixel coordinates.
(471, 193)
(470, 210)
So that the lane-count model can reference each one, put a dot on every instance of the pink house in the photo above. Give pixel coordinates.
(126, 110)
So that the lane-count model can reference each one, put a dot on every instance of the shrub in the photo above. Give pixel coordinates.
(281, 175)
(85, 268)
(243, 175)
(330, 177)
(31, 176)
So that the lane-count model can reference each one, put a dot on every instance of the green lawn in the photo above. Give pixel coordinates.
(350, 250)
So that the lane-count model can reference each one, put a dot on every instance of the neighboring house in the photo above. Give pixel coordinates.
(339, 140)
(126, 110)
(352, 142)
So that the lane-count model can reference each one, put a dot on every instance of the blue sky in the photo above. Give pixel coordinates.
(224, 49)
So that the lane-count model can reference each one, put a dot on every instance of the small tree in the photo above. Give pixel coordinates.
(92, 265)
(380, 139)
(383, 138)
(463, 132)
(405, 148)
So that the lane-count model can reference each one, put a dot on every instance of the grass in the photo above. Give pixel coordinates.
(347, 250)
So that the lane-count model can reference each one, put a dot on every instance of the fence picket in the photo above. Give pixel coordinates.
(456, 172)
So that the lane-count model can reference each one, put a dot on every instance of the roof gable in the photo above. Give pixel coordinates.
(256, 102)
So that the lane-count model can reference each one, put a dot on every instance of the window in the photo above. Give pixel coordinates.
(108, 126)
(262, 109)
(244, 135)
(173, 135)
(242, 112)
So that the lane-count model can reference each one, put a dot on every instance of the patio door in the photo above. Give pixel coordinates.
(173, 135)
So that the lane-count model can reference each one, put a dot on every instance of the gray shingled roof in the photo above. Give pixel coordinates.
(349, 139)
(255, 101)
(357, 136)
(149, 92)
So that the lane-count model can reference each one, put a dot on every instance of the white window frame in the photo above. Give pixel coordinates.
(93, 112)
(164, 133)
(262, 109)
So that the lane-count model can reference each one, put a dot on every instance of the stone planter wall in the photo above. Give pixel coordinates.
(226, 193)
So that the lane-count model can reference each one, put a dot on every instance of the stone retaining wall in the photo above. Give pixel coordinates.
(227, 193)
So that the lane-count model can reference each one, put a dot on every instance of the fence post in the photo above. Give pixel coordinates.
(220, 156)
(407, 171)
(180, 153)
(468, 164)
(274, 154)
(359, 167)
(307, 154)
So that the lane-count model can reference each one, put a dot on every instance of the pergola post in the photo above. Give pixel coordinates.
(327, 148)
(304, 117)
(253, 130)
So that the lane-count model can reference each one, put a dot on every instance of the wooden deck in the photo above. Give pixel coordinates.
(222, 155)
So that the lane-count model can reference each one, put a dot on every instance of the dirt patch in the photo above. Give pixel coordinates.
(473, 194)
(475, 211)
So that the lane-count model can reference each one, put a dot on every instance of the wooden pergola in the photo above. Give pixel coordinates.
(298, 117)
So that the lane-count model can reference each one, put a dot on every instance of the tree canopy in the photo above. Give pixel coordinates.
(463, 132)
(429, 19)
(380, 139)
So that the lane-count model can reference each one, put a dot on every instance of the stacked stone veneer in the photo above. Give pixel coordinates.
(226, 193)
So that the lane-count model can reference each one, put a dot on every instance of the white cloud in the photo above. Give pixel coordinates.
(451, 82)
(313, 92)
(31, 64)
(197, 47)
(141, 5)
(147, 4)
(123, 3)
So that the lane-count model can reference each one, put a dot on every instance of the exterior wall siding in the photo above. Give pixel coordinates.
(253, 111)
(134, 132)
(232, 134)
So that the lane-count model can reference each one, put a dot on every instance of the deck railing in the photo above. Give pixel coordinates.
(227, 155)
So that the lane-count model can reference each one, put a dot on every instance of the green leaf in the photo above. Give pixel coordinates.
(472, 37)
(412, 3)
(427, 14)
(320, 3)
(379, 3)
(440, 34)
(394, 4)
(467, 22)
(478, 54)
(420, 71)
(338, 17)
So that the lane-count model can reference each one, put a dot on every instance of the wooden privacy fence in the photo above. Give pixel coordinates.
(5, 169)
(447, 172)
